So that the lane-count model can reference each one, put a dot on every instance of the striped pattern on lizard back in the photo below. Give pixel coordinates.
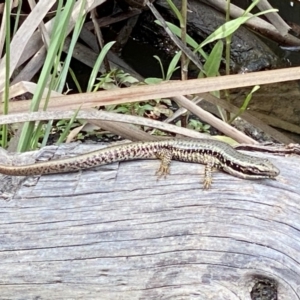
(211, 153)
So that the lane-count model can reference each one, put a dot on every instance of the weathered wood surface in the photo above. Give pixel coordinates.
(115, 232)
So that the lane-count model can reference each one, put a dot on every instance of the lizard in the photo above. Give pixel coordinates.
(212, 153)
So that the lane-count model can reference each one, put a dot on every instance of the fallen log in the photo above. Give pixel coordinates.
(116, 232)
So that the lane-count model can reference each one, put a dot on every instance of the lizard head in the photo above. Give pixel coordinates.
(252, 169)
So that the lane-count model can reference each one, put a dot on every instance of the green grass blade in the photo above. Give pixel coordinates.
(75, 36)
(175, 10)
(73, 75)
(97, 65)
(172, 66)
(46, 134)
(161, 67)
(230, 27)
(57, 38)
(64, 134)
(18, 16)
(189, 40)
(212, 64)
(245, 103)
(4, 131)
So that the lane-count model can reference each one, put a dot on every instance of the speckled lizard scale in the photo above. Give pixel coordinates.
(211, 153)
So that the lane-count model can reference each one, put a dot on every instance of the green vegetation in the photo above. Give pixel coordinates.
(55, 68)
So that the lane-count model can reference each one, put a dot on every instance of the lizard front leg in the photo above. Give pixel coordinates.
(165, 157)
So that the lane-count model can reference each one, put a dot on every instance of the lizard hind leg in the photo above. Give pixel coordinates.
(165, 157)
(209, 166)
(207, 176)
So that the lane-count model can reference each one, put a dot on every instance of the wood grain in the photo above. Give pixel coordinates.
(115, 232)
